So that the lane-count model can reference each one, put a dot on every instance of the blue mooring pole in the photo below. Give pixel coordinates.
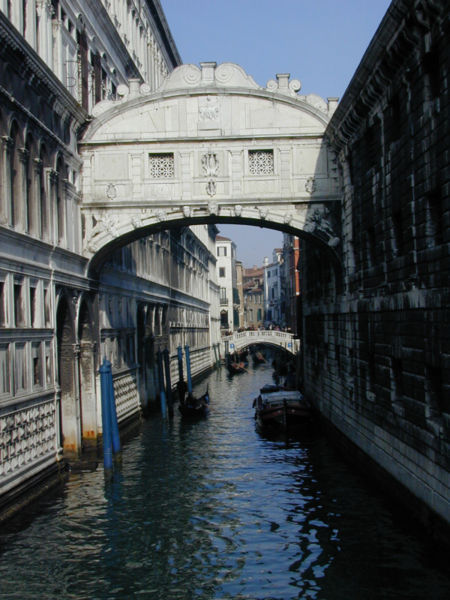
(168, 380)
(188, 369)
(115, 437)
(180, 363)
(162, 393)
(105, 373)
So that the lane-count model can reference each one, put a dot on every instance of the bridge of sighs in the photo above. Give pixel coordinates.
(209, 146)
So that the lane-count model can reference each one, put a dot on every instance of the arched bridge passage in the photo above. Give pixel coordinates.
(209, 146)
(318, 238)
(279, 339)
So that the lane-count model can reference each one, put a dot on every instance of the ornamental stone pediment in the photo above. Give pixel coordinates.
(219, 99)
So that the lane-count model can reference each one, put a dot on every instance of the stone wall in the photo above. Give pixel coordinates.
(379, 352)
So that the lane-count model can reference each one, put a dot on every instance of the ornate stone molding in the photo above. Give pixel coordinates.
(282, 85)
(210, 166)
(111, 191)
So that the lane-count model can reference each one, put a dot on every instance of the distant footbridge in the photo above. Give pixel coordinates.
(280, 339)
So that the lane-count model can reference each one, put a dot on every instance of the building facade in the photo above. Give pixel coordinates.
(376, 341)
(227, 281)
(57, 320)
(291, 286)
(274, 290)
(254, 298)
(240, 292)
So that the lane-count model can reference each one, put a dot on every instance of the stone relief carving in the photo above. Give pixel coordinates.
(318, 220)
(187, 211)
(105, 224)
(310, 185)
(209, 110)
(238, 210)
(111, 191)
(210, 164)
(211, 188)
(136, 221)
(213, 208)
(288, 218)
(263, 212)
(161, 214)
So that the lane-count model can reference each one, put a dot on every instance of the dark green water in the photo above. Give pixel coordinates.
(213, 510)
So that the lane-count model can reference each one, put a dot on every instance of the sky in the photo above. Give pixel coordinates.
(319, 42)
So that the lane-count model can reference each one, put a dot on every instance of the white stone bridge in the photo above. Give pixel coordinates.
(209, 146)
(280, 339)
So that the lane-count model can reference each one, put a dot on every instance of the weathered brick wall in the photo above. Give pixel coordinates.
(377, 356)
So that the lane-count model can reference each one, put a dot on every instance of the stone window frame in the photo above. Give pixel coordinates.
(158, 156)
(254, 152)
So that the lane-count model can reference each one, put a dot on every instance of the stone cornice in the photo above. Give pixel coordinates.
(164, 32)
(29, 60)
(111, 34)
(389, 49)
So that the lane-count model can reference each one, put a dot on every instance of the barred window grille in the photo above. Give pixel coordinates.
(260, 162)
(162, 166)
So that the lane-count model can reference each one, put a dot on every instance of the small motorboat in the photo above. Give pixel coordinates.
(280, 409)
(194, 408)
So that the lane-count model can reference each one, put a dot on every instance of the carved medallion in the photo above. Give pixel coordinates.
(111, 191)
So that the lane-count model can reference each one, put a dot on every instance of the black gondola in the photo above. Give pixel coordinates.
(194, 408)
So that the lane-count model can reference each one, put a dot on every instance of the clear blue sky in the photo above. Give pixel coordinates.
(320, 42)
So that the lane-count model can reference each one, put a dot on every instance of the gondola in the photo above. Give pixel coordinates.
(236, 367)
(258, 358)
(194, 408)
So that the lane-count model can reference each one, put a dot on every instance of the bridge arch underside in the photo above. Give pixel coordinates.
(319, 240)
(209, 146)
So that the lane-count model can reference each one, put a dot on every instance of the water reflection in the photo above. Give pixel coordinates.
(214, 510)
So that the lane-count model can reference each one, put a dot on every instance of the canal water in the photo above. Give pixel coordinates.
(214, 510)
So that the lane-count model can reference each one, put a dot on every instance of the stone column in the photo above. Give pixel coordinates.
(51, 180)
(5, 180)
(44, 42)
(22, 203)
(70, 399)
(38, 209)
(89, 430)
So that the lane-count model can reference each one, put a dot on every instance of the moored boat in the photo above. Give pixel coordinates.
(194, 408)
(258, 358)
(236, 367)
(279, 409)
